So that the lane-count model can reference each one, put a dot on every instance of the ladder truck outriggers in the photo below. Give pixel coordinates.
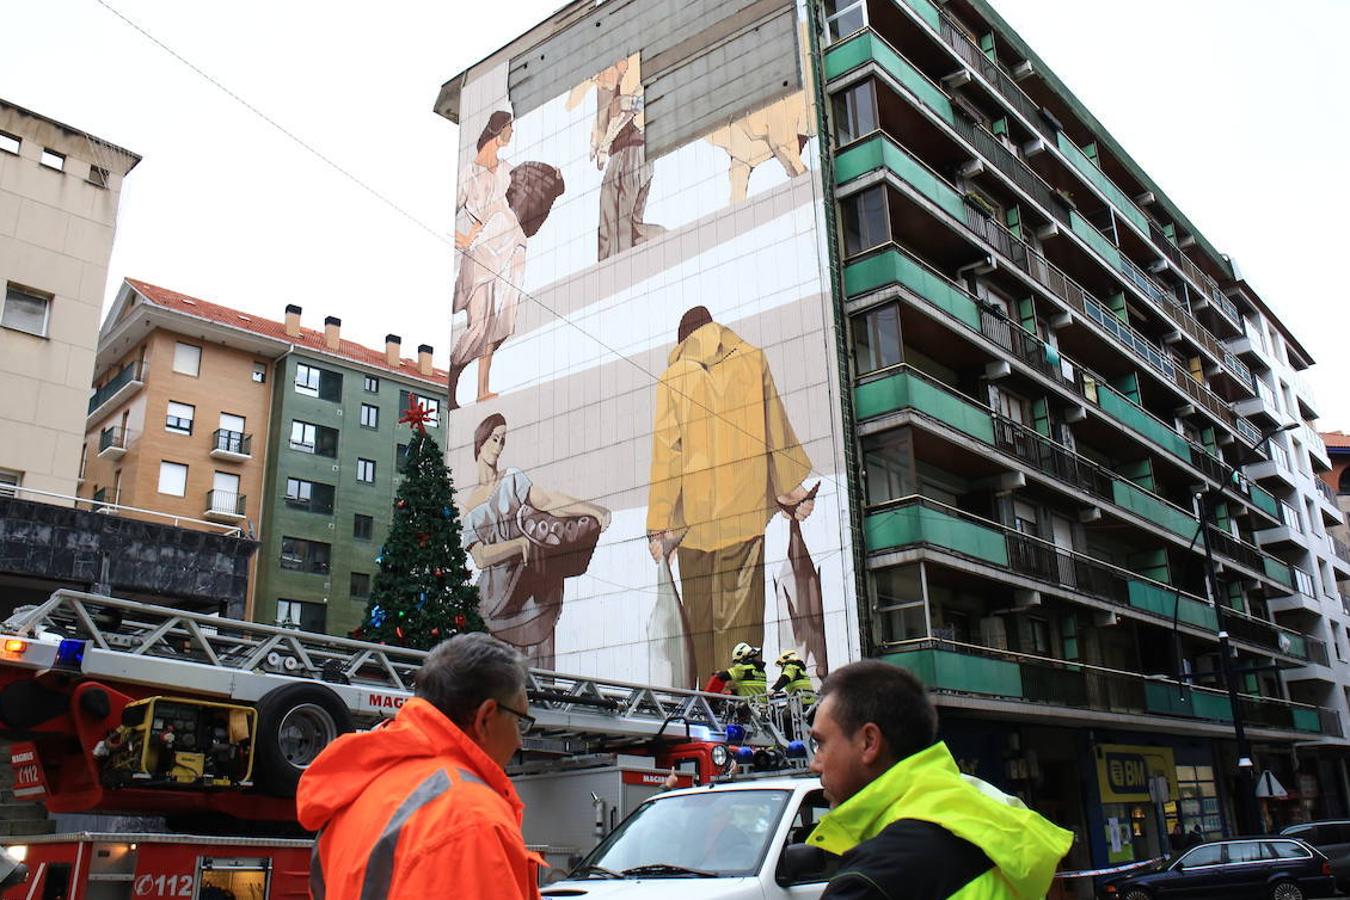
(113, 706)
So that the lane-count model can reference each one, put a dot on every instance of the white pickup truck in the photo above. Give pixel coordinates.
(725, 841)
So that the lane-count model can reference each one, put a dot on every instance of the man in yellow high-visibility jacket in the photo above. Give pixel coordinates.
(904, 818)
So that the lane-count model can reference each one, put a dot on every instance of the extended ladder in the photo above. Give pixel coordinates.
(115, 640)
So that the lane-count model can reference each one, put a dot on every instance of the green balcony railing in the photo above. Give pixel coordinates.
(902, 387)
(1005, 85)
(878, 152)
(949, 667)
(919, 521)
(869, 47)
(890, 265)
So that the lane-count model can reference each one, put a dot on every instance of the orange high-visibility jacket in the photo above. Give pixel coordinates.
(414, 810)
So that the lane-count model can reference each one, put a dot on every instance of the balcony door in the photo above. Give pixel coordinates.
(225, 492)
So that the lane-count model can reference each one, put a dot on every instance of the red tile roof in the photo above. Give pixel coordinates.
(309, 338)
(1335, 439)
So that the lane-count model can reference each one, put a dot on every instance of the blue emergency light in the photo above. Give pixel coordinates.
(735, 734)
(70, 654)
(745, 754)
(796, 749)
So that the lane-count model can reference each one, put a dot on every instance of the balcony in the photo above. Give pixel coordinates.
(231, 445)
(889, 265)
(128, 380)
(918, 521)
(882, 151)
(112, 443)
(224, 506)
(868, 47)
(1047, 685)
(1006, 86)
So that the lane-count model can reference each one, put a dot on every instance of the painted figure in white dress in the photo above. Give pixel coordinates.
(500, 206)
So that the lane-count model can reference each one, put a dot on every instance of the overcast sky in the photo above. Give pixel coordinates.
(1237, 111)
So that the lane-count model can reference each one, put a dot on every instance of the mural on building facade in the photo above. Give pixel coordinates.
(524, 541)
(724, 460)
(499, 208)
(705, 446)
(619, 149)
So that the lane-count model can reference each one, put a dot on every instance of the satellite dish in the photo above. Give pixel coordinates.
(1269, 786)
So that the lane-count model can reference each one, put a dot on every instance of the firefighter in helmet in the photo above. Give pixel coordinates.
(792, 678)
(746, 676)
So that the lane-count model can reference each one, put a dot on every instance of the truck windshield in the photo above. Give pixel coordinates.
(726, 833)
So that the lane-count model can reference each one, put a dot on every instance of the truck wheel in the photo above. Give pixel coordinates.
(295, 723)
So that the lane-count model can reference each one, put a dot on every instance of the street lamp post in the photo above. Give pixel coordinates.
(1248, 812)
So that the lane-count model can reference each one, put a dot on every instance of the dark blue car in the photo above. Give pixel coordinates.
(1266, 868)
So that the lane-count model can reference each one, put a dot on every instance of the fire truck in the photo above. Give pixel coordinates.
(113, 706)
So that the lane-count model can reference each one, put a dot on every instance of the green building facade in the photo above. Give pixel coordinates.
(332, 471)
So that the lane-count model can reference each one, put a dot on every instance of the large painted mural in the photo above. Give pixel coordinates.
(643, 425)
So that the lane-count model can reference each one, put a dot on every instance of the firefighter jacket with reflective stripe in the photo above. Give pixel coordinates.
(414, 810)
(1021, 847)
(793, 679)
(748, 679)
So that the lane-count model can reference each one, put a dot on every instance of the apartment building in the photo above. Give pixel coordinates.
(334, 458)
(857, 329)
(191, 420)
(59, 189)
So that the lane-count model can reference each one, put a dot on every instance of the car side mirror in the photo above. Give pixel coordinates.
(802, 863)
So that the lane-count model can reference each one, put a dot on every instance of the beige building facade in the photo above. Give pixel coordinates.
(59, 190)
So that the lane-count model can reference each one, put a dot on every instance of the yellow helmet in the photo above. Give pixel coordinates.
(788, 656)
(744, 651)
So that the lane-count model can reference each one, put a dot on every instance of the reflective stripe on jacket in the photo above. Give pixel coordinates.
(1024, 847)
(798, 682)
(414, 810)
(748, 679)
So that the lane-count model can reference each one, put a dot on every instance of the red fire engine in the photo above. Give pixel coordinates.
(114, 706)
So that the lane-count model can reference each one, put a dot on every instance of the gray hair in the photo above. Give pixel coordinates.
(463, 671)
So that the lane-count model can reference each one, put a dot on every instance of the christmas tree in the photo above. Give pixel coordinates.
(422, 593)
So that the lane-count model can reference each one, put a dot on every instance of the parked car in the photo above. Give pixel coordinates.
(1265, 868)
(1332, 837)
(741, 840)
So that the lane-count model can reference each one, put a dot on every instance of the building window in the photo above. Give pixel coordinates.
(888, 466)
(433, 406)
(309, 438)
(187, 359)
(864, 215)
(310, 496)
(9, 143)
(53, 160)
(98, 176)
(363, 527)
(301, 555)
(843, 17)
(855, 112)
(401, 458)
(259, 372)
(370, 416)
(315, 382)
(26, 310)
(360, 585)
(179, 419)
(876, 339)
(9, 481)
(302, 615)
(173, 479)
(365, 470)
(372, 384)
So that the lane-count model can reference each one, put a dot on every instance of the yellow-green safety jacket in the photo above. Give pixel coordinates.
(793, 679)
(748, 679)
(925, 790)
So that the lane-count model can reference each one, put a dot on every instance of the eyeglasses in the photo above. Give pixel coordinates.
(523, 722)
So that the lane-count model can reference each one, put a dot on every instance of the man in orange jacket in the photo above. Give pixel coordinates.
(422, 807)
